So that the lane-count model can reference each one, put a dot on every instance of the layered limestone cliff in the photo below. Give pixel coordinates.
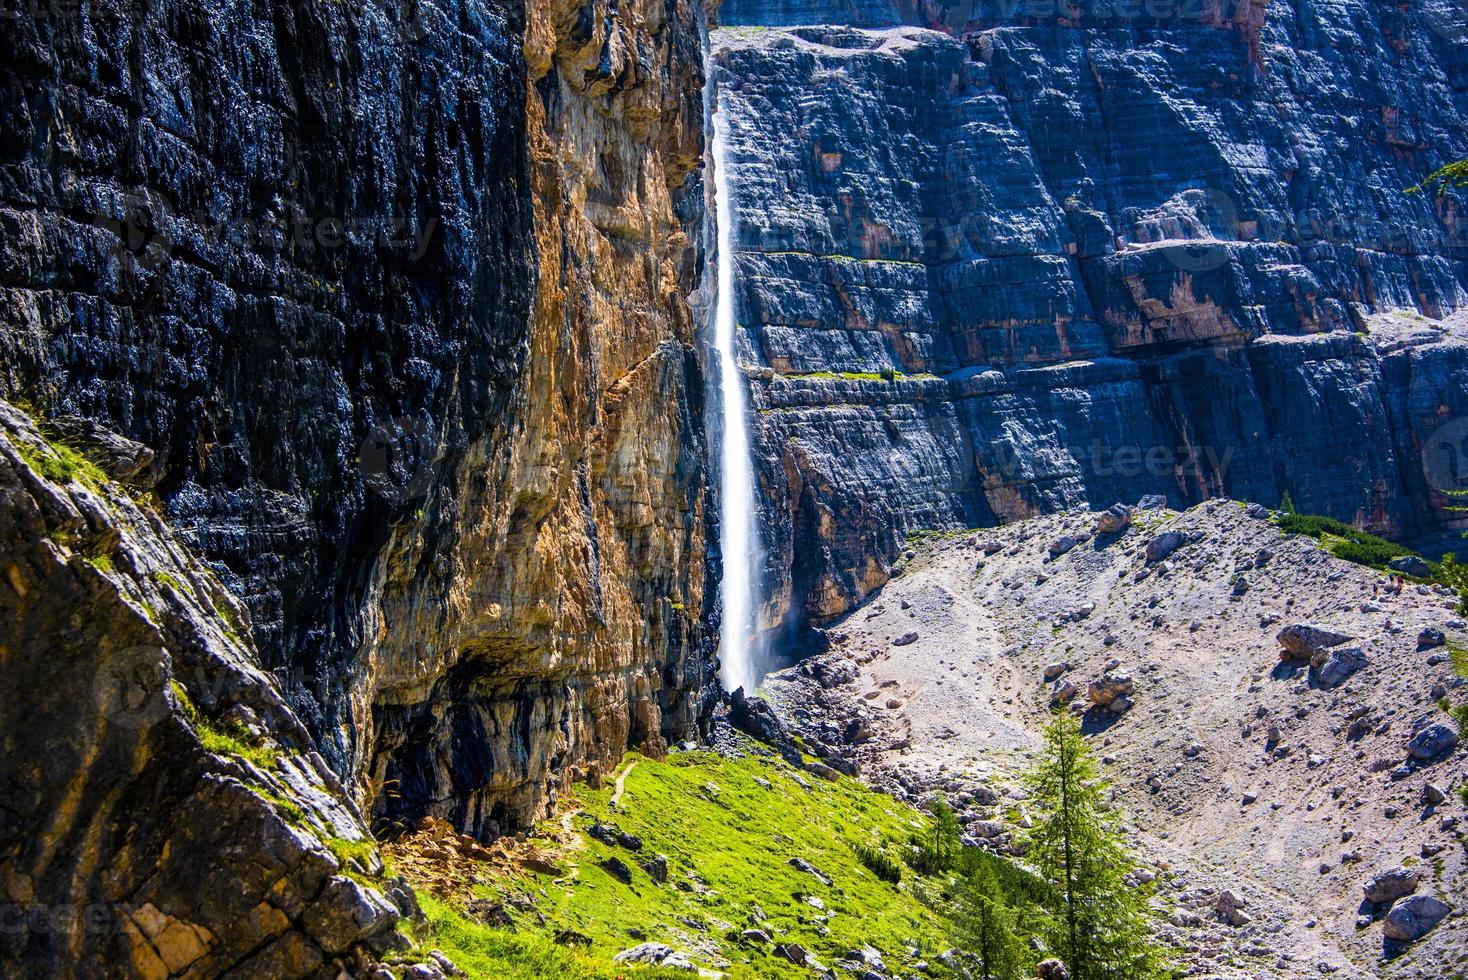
(164, 812)
(566, 625)
(397, 294)
(1028, 262)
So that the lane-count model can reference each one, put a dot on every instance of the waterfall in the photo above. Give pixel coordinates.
(739, 591)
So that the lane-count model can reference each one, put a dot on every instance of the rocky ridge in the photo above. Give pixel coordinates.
(165, 811)
(1268, 713)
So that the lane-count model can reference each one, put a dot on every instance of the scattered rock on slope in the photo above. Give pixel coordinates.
(1333, 666)
(1304, 641)
(656, 954)
(1107, 688)
(1432, 741)
(1164, 544)
(1390, 885)
(1412, 918)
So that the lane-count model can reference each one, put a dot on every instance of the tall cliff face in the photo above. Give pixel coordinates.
(568, 625)
(398, 295)
(1097, 257)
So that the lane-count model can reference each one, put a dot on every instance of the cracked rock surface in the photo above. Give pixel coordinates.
(1021, 263)
(165, 812)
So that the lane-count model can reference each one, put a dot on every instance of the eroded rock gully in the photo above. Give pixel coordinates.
(1105, 256)
(1245, 766)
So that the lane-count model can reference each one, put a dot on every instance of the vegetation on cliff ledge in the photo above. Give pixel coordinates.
(730, 860)
(746, 865)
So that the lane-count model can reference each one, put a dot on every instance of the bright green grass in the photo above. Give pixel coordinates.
(498, 954)
(221, 742)
(846, 376)
(62, 465)
(1459, 658)
(728, 841)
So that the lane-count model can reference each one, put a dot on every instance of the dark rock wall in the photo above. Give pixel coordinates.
(1106, 256)
(398, 295)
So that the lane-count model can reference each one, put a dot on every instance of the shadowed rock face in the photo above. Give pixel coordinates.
(1104, 257)
(398, 296)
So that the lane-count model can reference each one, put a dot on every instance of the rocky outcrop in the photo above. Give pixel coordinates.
(1035, 260)
(397, 295)
(568, 627)
(165, 813)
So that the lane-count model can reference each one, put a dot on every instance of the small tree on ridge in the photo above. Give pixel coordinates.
(1098, 914)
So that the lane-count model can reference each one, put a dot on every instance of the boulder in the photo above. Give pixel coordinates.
(1051, 969)
(1114, 519)
(1430, 638)
(1412, 918)
(1053, 671)
(1390, 885)
(618, 869)
(867, 957)
(1064, 691)
(1063, 544)
(755, 717)
(1333, 666)
(1411, 565)
(1152, 501)
(1302, 641)
(987, 829)
(1230, 908)
(657, 868)
(1436, 739)
(905, 639)
(823, 771)
(792, 952)
(1110, 686)
(655, 954)
(835, 672)
(801, 864)
(1164, 544)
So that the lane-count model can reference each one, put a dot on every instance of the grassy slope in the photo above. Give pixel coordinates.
(728, 841)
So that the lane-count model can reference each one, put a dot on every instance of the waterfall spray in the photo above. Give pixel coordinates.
(739, 590)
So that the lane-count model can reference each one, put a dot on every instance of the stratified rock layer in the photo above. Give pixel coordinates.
(164, 812)
(1058, 263)
(398, 296)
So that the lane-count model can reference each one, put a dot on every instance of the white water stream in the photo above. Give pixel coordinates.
(739, 647)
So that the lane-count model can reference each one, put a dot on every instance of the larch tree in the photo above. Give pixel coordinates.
(1098, 907)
